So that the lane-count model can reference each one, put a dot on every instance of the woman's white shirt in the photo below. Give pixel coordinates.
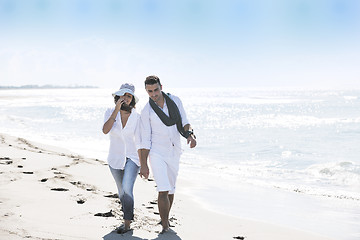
(124, 142)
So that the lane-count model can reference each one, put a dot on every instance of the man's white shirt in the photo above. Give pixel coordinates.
(158, 137)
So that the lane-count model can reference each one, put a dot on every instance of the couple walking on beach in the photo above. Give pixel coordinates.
(155, 134)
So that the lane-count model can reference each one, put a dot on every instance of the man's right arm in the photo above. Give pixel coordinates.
(144, 169)
(145, 141)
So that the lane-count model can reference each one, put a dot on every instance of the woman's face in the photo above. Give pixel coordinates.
(127, 98)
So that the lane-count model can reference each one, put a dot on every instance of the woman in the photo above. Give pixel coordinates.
(122, 124)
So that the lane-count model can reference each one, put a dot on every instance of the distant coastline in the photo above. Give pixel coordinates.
(42, 87)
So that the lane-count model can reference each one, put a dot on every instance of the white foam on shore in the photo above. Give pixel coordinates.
(286, 206)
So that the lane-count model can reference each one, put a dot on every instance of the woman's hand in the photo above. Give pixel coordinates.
(119, 103)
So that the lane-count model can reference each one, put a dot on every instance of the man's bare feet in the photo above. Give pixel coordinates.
(169, 224)
(168, 231)
(165, 230)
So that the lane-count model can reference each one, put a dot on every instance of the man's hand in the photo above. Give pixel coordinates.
(144, 171)
(192, 141)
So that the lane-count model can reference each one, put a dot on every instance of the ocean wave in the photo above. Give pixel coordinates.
(339, 180)
(340, 173)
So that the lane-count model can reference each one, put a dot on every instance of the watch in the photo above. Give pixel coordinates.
(189, 133)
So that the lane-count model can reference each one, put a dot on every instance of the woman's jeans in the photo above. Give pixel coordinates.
(125, 180)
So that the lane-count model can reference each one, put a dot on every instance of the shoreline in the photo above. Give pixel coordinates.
(47, 192)
(327, 216)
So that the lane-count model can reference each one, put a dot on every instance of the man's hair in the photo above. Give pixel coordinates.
(150, 80)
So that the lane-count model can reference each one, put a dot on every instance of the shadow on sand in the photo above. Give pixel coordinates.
(129, 236)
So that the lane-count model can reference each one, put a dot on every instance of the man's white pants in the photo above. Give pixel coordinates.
(165, 170)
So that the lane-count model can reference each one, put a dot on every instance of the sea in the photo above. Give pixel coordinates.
(282, 156)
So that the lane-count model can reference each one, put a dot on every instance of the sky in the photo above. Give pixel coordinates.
(187, 43)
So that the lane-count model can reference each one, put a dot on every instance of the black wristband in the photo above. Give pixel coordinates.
(189, 133)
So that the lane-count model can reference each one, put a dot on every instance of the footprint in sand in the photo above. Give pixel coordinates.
(83, 186)
(76, 183)
(80, 201)
(60, 189)
(7, 162)
(115, 195)
(238, 237)
(107, 214)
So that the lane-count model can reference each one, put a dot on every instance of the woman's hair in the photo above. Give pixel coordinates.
(132, 103)
(150, 80)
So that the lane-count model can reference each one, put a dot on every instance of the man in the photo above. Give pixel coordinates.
(163, 119)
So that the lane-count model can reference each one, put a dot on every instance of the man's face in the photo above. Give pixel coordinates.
(154, 91)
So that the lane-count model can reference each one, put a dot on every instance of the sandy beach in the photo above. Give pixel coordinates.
(52, 193)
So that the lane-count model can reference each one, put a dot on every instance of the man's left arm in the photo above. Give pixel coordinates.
(191, 138)
(187, 127)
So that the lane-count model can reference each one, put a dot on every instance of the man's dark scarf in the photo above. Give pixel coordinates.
(174, 114)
